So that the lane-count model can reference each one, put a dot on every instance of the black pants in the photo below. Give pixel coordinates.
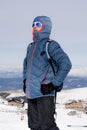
(41, 114)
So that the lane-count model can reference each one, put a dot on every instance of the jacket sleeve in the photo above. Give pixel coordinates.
(24, 68)
(25, 62)
(62, 62)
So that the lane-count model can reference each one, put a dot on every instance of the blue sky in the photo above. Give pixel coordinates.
(69, 18)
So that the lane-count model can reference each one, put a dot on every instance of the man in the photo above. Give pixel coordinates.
(40, 83)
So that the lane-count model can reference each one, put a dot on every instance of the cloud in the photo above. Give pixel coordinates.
(80, 71)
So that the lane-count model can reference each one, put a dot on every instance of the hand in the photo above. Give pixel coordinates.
(59, 88)
(47, 88)
(24, 85)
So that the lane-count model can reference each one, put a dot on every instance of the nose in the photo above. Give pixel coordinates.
(34, 27)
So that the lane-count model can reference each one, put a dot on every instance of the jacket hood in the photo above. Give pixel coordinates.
(47, 26)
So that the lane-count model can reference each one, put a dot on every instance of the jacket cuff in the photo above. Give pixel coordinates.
(56, 83)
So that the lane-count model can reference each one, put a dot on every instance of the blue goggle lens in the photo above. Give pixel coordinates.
(38, 24)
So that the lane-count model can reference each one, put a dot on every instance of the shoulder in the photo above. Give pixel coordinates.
(30, 45)
(54, 45)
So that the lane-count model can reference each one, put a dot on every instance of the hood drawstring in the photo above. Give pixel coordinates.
(34, 38)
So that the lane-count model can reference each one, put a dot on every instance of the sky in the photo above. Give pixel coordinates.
(69, 28)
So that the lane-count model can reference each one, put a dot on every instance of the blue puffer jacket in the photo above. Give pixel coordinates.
(37, 69)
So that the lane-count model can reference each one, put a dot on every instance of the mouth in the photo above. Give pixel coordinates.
(35, 30)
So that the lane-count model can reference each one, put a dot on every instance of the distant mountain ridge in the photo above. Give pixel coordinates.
(12, 79)
(10, 83)
(13, 83)
(72, 82)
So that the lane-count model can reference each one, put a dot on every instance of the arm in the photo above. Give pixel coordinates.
(24, 68)
(24, 74)
(63, 65)
(25, 62)
(62, 61)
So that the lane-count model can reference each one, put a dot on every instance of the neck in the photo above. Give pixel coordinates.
(38, 36)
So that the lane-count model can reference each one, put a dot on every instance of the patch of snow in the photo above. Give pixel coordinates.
(10, 119)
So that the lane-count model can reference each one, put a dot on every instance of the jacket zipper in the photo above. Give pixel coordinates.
(31, 69)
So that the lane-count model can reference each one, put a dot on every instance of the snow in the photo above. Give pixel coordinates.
(12, 121)
(63, 120)
(15, 94)
(74, 94)
(11, 118)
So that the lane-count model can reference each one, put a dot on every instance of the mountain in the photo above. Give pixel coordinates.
(72, 82)
(10, 83)
(13, 83)
(12, 79)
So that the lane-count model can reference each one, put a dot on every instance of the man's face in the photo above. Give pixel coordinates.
(37, 26)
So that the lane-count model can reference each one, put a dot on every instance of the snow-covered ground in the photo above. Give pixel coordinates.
(11, 117)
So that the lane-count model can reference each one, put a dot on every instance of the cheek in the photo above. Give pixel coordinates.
(39, 29)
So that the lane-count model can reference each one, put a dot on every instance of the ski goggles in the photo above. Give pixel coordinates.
(37, 24)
